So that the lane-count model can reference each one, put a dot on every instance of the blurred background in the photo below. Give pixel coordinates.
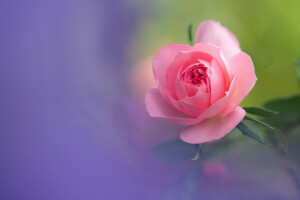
(73, 123)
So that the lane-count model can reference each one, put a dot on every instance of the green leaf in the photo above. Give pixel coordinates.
(262, 112)
(297, 68)
(199, 148)
(248, 132)
(190, 34)
(289, 112)
(288, 106)
(277, 131)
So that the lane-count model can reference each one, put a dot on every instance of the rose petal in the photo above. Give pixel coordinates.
(212, 32)
(202, 100)
(210, 49)
(218, 82)
(181, 61)
(162, 61)
(158, 107)
(191, 89)
(214, 128)
(180, 90)
(243, 70)
(217, 54)
(186, 107)
(221, 104)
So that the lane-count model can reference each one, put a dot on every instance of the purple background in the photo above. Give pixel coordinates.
(59, 99)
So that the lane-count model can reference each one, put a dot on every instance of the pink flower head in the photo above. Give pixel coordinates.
(202, 85)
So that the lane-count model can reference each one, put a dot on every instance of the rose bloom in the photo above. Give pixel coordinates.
(202, 85)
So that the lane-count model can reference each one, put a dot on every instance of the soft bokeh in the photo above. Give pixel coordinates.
(73, 122)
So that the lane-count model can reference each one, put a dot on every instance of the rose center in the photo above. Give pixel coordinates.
(195, 74)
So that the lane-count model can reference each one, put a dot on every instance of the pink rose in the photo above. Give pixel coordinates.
(202, 85)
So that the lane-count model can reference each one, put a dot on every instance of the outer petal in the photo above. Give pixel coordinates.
(243, 70)
(212, 32)
(214, 128)
(163, 59)
(158, 107)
